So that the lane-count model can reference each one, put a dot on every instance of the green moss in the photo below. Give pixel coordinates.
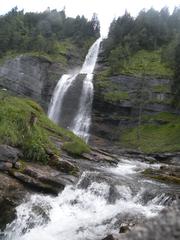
(161, 101)
(76, 148)
(16, 129)
(146, 63)
(161, 177)
(161, 88)
(163, 117)
(155, 137)
(116, 96)
(109, 90)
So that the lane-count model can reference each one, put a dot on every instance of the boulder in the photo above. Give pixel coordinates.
(63, 165)
(9, 154)
(34, 183)
(5, 166)
(109, 237)
(11, 194)
(124, 228)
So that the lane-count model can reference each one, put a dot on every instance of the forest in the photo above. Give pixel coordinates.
(152, 35)
(42, 32)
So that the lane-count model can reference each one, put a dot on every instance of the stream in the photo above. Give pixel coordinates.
(104, 198)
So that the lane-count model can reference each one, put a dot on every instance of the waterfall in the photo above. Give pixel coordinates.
(57, 98)
(80, 116)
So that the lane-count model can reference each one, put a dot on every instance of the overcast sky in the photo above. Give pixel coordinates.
(106, 9)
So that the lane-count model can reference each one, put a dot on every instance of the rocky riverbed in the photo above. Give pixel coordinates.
(110, 178)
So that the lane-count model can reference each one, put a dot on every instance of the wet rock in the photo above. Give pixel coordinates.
(34, 184)
(9, 154)
(63, 165)
(42, 178)
(124, 228)
(98, 156)
(109, 237)
(113, 194)
(5, 166)
(18, 165)
(165, 173)
(11, 194)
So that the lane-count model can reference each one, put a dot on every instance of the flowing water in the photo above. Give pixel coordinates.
(102, 200)
(81, 119)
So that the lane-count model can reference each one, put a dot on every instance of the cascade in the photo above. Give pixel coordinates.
(101, 200)
(81, 118)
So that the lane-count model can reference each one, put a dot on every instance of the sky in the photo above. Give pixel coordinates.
(107, 10)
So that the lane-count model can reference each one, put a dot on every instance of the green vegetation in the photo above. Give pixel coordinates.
(158, 175)
(146, 45)
(160, 133)
(50, 32)
(161, 88)
(110, 91)
(76, 147)
(147, 63)
(116, 96)
(24, 124)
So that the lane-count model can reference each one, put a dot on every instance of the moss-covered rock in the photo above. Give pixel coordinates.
(162, 175)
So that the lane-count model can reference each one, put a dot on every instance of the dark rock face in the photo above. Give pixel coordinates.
(33, 77)
(11, 194)
(109, 118)
(109, 237)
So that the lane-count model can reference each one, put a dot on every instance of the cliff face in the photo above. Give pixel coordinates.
(34, 77)
(119, 99)
(30, 76)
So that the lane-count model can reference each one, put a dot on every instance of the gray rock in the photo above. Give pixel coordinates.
(109, 237)
(124, 228)
(33, 77)
(5, 166)
(34, 183)
(11, 194)
(9, 154)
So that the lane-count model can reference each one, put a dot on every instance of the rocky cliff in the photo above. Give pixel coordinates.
(34, 77)
(121, 101)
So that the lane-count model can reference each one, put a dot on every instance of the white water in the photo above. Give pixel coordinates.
(80, 213)
(63, 84)
(82, 119)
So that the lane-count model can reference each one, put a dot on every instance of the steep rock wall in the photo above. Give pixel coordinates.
(34, 77)
(117, 100)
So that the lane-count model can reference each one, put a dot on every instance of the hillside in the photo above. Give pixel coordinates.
(136, 101)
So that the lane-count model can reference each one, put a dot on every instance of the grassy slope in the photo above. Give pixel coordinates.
(146, 63)
(142, 63)
(62, 51)
(16, 130)
(161, 133)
